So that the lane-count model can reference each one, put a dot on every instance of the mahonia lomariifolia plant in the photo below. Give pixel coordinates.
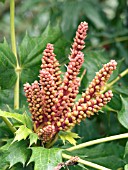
(52, 100)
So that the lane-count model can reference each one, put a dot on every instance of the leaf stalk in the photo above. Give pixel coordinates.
(98, 141)
(118, 78)
(51, 143)
(13, 43)
(9, 124)
(107, 42)
(90, 164)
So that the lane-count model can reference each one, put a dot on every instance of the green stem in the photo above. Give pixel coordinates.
(9, 124)
(12, 27)
(13, 43)
(115, 80)
(98, 141)
(90, 164)
(51, 143)
(16, 92)
(117, 39)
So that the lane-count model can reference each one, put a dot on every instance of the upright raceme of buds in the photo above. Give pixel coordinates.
(52, 100)
(51, 65)
(78, 44)
(99, 81)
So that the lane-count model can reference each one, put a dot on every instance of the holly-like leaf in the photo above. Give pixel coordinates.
(17, 152)
(109, 155)
(33, 138)
(15, 116)
(68, 136)
(123, 113)
(7, 67)
(31, 49)
(28, 120)
(22, 133)
(3, 160)
(45, 159)
(93, 63)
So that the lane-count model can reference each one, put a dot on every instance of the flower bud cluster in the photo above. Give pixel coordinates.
(82, 110)
(35, 99)
(46, 133)
(51, 100)
(51, 65)
(79, 43)
(98, 83)
(69, 88)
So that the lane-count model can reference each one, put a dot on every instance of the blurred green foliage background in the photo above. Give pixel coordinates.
(107, 39)
(108, 21)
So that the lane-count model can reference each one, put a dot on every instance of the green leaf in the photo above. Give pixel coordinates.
(45, 159)
(4, 131)
(17, 152)
(33, 138)
(88, 129)
(92, 64)
(72, 11)
(3, 160)
(126, 149)
(126, 167)
(94, 14)
(22, 118)
(115, 102)
(7, 67)
(69, 136)
(61, 46)
(123, 113)
(19, 166)
(117, 71)
(15, 116)
(28, 120)
(6, 98)
(120, 89)
(105, 154)
(31, 49)
(22, 133)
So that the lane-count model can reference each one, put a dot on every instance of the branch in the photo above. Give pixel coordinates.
(98, 141)
(117, 39)
(13, 43)
(9, 124)
(125, 72)
(90, 164)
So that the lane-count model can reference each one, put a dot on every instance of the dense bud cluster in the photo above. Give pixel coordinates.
(46, 133)
(51, 100)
